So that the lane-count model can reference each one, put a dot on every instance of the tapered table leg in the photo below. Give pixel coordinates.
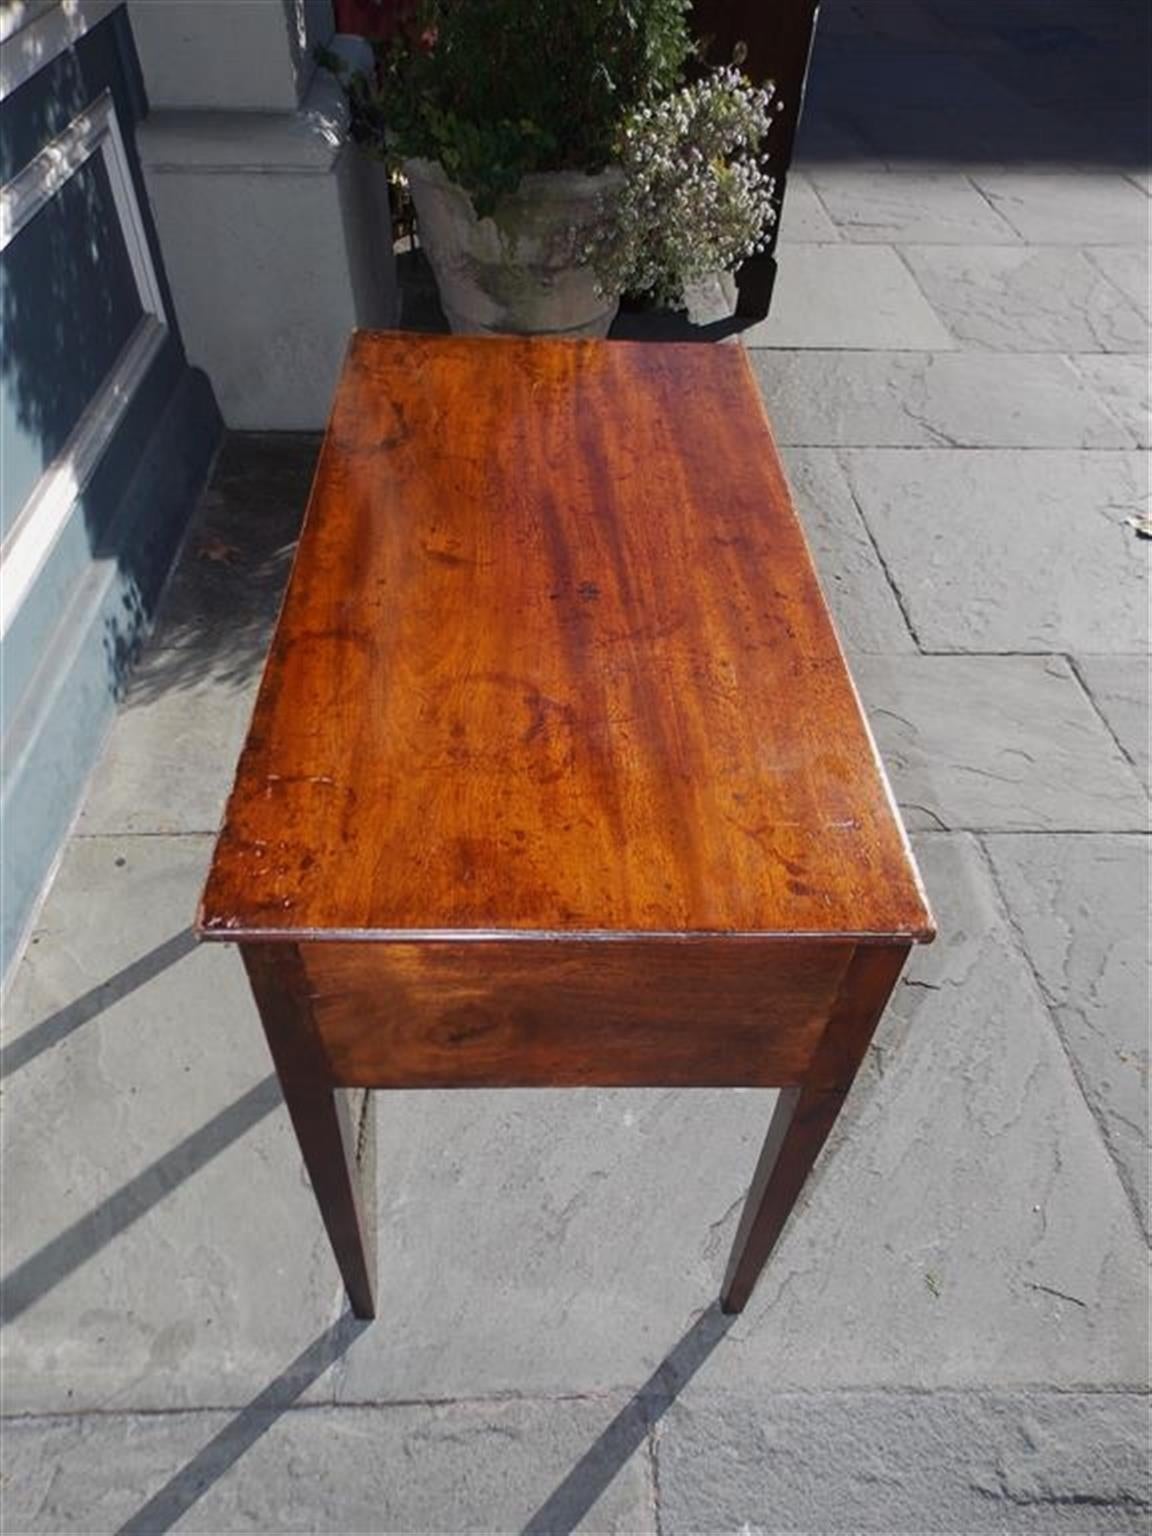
(804, 1115)
(328, 1133)
(798, 1130)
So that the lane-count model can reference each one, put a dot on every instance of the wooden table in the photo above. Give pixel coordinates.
(556, 775)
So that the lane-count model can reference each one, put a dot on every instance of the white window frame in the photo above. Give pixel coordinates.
(52, 500)
(34, 32)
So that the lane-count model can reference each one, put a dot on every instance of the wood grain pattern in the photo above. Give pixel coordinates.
(805, 1115)
(800, 1124)
(554, 661)
(865, 987)
(345, 1192)
(634, 1014)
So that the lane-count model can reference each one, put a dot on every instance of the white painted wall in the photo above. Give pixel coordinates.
(228, 53)
(276, 240)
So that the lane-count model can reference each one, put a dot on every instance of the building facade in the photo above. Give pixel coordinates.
(186, 240)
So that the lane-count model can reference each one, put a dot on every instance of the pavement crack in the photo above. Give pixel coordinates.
(1073, 667)
(1027, 1499)
(653, 1438)
(1051, 1012)
(721, 1221)
(888, 576)
(891, 714)
(941, 825)
(1012, 1386)
(1050, 1290)
(915, 407)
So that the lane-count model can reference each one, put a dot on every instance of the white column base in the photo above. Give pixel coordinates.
(277, 244)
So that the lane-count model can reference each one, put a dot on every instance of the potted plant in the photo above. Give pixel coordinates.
(557, 156)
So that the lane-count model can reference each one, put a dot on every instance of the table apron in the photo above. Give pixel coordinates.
(624, 1013)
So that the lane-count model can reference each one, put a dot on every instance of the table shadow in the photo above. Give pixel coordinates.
(171, 1502)
(568, 1504)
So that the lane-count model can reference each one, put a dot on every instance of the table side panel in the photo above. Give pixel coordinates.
(865, 989)
(561, 1014)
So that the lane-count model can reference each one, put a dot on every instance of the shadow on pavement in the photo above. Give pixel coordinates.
(65, 1021)
(43, 1270)
(567, 1506)
(241, 1433)
(969, 82)
(217, 613)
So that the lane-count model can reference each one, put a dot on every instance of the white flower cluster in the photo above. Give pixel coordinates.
(695, 197)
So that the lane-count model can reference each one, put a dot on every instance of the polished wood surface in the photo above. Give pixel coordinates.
(635, 1014)
(554, 661)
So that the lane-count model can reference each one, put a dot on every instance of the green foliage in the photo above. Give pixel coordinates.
(496, 89)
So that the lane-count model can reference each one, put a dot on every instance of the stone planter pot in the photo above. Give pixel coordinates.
(519, 271)
(711, 299)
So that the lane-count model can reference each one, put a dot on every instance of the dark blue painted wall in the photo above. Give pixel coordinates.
(68, 303)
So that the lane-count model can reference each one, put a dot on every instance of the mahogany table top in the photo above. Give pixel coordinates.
(554, 662)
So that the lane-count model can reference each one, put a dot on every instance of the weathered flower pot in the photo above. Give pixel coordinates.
(520, 270)
(711, 299)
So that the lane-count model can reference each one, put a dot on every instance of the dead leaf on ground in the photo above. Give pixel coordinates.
(216, 549)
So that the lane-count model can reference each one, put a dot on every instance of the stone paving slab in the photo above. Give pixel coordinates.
(1025, 299)
(967, 1227)
(905, 1464)
(1125, 386)
(171, 753)
(828, 136)
(936, 399)
(1119, 687)
(464, 1467)
(1067, 208)
(225, 590)
(1127, 266)
(1078, 75)
(1002, 551)
(1100, 135)
(890, 22)
(1030, 30)
(938, 82)
(995, 137)
(863, 604)
(1006, 743)
(909, 206)
(547, 1241)
(1080, 907)
(813, 1463)
(805, 219)
(817, 302)
(161, 1246)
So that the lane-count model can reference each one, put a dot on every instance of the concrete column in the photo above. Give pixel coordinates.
(275, 229)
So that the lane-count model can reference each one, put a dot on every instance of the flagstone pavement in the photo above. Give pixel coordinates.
(952, 1335)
